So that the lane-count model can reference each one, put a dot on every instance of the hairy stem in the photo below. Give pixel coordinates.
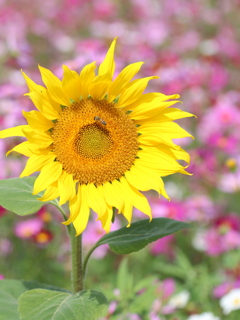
(77, 267)
(77, 275)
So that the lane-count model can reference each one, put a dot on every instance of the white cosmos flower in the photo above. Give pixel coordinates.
(180, 299)
(203, 316)
(230, 301)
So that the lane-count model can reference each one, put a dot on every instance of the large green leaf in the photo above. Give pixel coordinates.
(16, 196)
(41, 304)
(141, 233)
(10, 291)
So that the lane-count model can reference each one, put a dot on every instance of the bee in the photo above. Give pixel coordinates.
(100, 120)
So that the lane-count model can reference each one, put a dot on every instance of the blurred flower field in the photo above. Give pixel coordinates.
(194, 47)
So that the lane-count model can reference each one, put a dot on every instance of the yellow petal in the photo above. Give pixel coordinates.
(128, 200)
(37, 121)
(150, 109)
(71, 84)
(49, 174)
(32, 86)
(38, 138)
(36, 163)
(165, 151)
(86, 76)
(181, 155)
(54, 86)
(112, 196)
(81, 220)
(13, 132)
(133, 91)
(163, 164)
(97, 90)
(145, 180)
(168, 114)
(106, 219)
(150, 138)
(162, 154)
(23, 148)
(139, 200)
(108, 64)
(122, 80)
(170, 130)
(43, 104)
(95, 200)
(51, 192)
(150, 98)
(173, 114)
(67, 187)
(74, 207)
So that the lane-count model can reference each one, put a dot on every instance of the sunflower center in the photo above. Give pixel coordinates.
(95, 141)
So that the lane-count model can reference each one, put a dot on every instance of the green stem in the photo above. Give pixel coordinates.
(77, 275)
(61, 210)
(77, 267)
(85, 262)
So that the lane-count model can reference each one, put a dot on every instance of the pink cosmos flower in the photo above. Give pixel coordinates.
(163, 246)
(227, 143)
(200, 208)
(225, 287)
(223, 236)
(5, 247)
(28, 228)
(223, 117)
(230, 182)
(104, 8)
(167, 288)
(153, 316)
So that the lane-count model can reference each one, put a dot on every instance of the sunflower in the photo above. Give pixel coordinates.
(98, 141)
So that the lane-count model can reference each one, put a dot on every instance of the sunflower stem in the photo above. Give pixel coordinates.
(77, 275)
(61, 211)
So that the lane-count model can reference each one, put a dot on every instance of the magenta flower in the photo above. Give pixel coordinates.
(223, 236)
(163, 246)
(167, 287)
(28, 228)
(2, 211)
(225, 287)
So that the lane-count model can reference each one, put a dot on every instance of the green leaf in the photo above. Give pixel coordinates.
(41, 304)
(10, 291)
(141, 233)
(125, 280)
(171, 270)
(16, 196)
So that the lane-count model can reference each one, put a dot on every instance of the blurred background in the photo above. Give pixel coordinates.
(194, 47)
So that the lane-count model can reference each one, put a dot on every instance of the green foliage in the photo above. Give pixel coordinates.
(41, 304)
(141, 233)
(10, 291)
(231, 259)
(16, 196)
(130, 299)
(27, 300)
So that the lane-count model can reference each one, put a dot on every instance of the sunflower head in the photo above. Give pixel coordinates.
(97, 141)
